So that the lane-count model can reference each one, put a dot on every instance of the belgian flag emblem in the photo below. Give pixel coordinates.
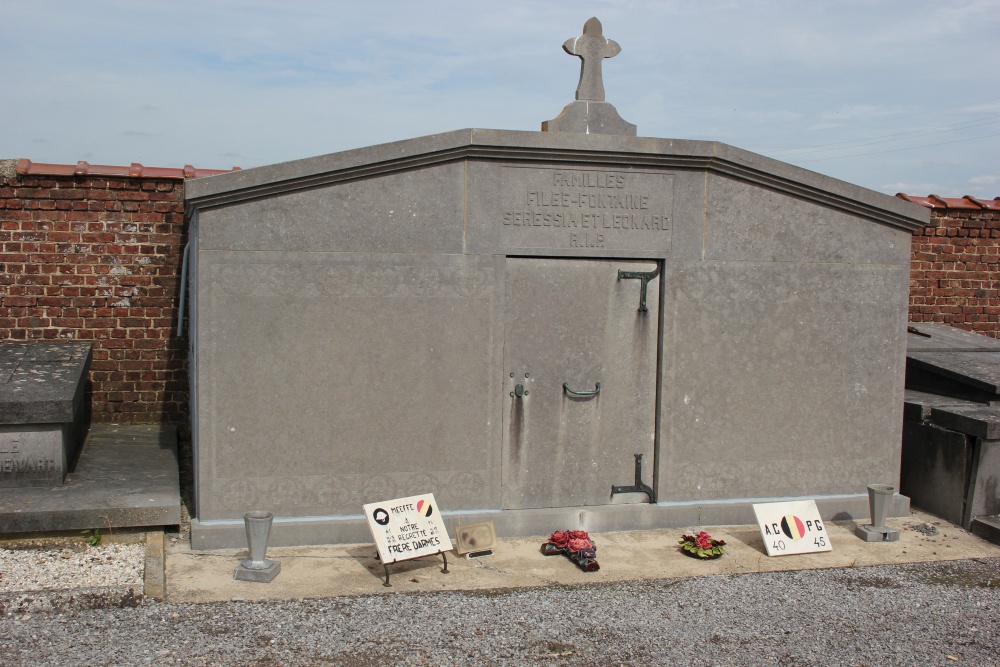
(793, 527)
(424, 508)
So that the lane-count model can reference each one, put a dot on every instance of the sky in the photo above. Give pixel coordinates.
(893, 95)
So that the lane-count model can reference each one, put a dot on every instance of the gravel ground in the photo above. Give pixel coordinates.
(942, 613)
(31, 566)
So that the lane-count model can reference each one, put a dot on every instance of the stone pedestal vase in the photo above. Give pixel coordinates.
(879, 497)
(257, 567)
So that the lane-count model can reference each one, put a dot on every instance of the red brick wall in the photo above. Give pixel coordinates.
(98, 259)
(955, 270)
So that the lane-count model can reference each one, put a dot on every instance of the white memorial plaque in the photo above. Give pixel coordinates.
(792, 528)
(407, 528)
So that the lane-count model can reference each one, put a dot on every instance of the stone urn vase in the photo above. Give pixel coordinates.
(879, 497)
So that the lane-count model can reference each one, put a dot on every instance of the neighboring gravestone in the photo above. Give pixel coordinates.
(41, 411)
(508, 319)
(951, 427)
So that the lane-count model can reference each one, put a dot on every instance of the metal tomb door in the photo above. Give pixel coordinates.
(579, 380)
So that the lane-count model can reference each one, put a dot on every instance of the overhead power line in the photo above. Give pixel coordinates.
(893, 118)
(887, 138)
(896, 150)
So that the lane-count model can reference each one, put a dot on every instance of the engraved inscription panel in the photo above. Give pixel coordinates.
(30, 458)
(586, 209)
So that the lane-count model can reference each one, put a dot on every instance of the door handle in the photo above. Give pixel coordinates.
(644, 277)
(595, 392)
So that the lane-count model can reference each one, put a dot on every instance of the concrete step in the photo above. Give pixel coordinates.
(987, 527)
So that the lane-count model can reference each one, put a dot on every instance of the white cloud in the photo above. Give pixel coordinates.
(915, 189)
(985, 179)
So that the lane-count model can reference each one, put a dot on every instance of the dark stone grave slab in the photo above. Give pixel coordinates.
(934, 337)
(934, 470)
(951, 435)
(980, 421)
(917, 405)
(127, 476)
(41, 411)
(977, 370)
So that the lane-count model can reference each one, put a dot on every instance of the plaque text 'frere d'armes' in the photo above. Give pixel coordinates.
(586, 208)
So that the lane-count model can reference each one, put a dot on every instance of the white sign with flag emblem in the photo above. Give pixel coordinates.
(407, 528)
(792, 528)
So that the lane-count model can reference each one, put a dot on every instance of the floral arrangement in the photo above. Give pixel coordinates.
(575, 545)
(702, 545)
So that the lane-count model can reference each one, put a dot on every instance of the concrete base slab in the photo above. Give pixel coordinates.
(354, 569)
(262, 575)
(871, 533)
(126, 476)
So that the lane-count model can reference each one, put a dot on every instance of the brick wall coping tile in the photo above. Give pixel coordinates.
(966, 202)
(26, 167)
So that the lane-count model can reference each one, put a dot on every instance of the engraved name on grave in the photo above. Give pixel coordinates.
(586, 208)
(27, 456)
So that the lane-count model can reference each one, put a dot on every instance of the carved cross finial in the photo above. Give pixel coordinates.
(592, 48)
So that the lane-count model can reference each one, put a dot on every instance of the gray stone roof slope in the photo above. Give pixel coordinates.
(528, 147)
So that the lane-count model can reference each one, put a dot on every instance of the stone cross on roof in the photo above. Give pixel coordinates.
(592, 48)
(590, 114)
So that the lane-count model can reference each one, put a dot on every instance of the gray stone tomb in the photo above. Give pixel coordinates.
(435, 316)
(41, 411)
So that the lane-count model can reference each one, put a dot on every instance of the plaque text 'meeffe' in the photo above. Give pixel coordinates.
(586, 208)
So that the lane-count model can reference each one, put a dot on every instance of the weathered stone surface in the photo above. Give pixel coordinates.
(772, 384)
(583, 117)
(418, 210)
(980, 421)
(745, 222)
(41, 411)
(917, 405)
(381, 374)
(934, 471)
(35, 454)
(929, 337)
(979, 371)
(41, 382)
(951, 445)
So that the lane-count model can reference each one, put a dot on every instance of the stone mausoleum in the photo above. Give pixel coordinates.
(577, 327)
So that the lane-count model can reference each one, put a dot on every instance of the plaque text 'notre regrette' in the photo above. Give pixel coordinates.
(586, 208)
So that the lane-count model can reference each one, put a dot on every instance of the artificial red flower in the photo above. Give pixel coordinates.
(560, 538)
(578, 535)
(576, 545)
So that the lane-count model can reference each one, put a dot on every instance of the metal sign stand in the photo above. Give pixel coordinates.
(385, 566)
